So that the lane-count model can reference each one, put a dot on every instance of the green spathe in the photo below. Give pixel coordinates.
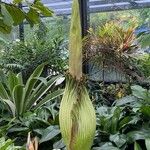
(77, 117)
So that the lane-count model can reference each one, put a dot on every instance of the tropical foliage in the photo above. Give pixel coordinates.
(42, 124)
(21, 97)
(111, 41)
(144, 64)
(127, 121)
(25, 57)
(8, 144)
(11, 15)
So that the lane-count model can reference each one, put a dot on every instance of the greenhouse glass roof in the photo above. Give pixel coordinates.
(63, 7)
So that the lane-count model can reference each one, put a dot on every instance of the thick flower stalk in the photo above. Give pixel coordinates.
(77, 115)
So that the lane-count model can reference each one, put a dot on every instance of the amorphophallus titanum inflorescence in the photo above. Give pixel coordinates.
(77, 115)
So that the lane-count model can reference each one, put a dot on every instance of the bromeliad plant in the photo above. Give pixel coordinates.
(21, 97)
(110, 44)
(77, 116)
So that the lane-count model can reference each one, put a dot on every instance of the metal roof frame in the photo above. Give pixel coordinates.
(63, 7)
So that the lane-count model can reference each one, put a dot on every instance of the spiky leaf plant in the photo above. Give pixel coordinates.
(77, 116)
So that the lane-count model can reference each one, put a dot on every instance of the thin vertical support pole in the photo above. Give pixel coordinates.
(0, 6)
(84, 11)
(21, 27)
(85, 19)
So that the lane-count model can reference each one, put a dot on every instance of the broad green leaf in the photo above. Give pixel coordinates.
(59, 144)
(37, 72)
(118, 139)
(49, 133)
(18, 129)
(2, 140)
(7, 19)
(138, 135)
(20, 79)
(6, 145)
(137, 146)
(11, 106)
(138, 91)
(107, 146)
(39, 7)
(12, 81)
(145, 40)
(49, 97)
(4, 28)
(30, 87)
(17, 1)
(16, 13)
(147, 143)
(2, 77)
(11, 15)
(18, 96)
(115, 120)
(3, 92)
(103, 111)
(124, 121)
(145, 111)
(32, 17)
(5, 128)
(125, 100)
(32, 81)
(40, 91)
(42, 79)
